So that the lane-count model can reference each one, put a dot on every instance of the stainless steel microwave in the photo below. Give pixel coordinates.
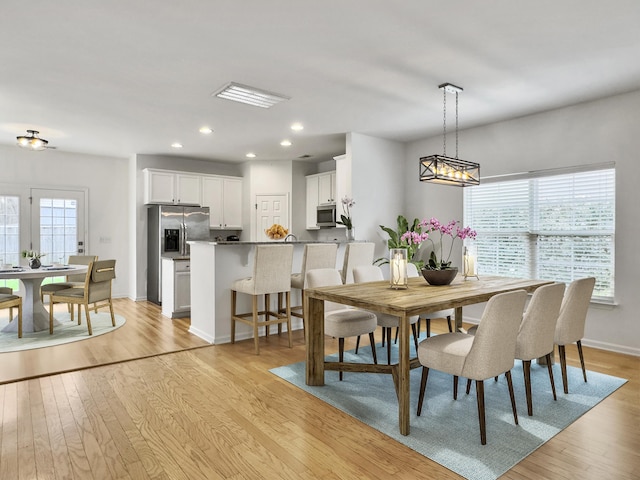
(326, 215)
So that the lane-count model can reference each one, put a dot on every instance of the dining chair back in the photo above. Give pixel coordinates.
(271, 275)
(355, 255)
(10, 301)
(536, 333)
(571, 322)
(490, 352)
(341, 321)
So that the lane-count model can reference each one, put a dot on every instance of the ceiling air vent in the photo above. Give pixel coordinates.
(249, 95)
(306, 155)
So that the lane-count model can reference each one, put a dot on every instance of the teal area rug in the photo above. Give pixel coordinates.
(447, 432)
(67, 332)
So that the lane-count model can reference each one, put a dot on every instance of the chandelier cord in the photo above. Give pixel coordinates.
(444, 122)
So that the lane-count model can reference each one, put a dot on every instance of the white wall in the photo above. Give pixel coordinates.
(377, 179)
(594, 132)
(105, 178)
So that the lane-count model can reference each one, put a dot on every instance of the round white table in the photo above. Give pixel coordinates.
(34, 316)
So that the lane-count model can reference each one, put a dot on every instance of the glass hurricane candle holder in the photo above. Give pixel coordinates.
(469, 267)
(398, 258)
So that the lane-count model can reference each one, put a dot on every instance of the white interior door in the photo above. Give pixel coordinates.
(271, 209)
(58, 223)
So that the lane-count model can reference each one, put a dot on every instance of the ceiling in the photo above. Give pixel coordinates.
(122, 77)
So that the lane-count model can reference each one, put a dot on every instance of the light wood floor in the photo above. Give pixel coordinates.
(216, 412)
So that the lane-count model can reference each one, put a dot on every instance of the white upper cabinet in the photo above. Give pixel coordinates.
(320, 190)
(223, 196)
(173, 188)
(326, 188)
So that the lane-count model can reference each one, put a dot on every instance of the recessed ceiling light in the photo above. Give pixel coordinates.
(205, 130)
(250, 155)
(285, 143)
(297, 127)
(176, 145)
(249, 95)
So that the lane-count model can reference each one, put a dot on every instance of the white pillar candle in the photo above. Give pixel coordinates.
(398, 268)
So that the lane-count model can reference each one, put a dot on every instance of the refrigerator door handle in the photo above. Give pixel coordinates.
(184, 238)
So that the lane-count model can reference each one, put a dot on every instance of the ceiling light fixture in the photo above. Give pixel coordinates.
(250, 155)
(31, 141)
(249, 95)
(296, 127)
(285, 143)
(205, 130)
(449, 170)
(176, 145)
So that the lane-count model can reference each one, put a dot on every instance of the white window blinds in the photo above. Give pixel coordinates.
(559, 227)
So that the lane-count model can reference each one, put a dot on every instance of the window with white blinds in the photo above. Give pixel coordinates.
(543, 225)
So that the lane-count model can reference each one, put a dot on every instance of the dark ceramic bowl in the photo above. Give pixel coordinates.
(440, 277)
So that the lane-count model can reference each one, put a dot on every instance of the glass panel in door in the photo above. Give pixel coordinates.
(58, 225)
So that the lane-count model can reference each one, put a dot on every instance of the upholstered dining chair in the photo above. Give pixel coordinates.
(341, 321)
(71, 281)
(355, 255)
(372, 273)
(96, 291)
(490, 352)
(9, 300)
(314, 256)
(271, 275)
(536, 333)
(571, 321)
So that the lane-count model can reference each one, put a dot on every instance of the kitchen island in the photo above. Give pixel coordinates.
(214, 266)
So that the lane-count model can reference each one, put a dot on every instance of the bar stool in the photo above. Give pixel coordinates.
(271, 274)
(356, 255)
(314, 256)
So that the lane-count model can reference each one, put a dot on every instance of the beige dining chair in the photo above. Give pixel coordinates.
(10, 301)
(570, 326)
(490, 352)
(96, 291)
(373, 273)
(71, 281)
(341, 321)
(536, 333)
(314, 256)
(271, 275)
(356, 254)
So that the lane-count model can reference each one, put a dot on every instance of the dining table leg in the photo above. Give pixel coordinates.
(403, 375)
(458, 319)
(314, 317)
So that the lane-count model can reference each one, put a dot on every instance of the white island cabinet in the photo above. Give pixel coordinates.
(214, 267)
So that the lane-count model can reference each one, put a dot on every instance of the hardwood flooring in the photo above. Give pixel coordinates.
(216, 412)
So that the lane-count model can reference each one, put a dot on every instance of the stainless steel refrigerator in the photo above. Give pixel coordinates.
(169, 229)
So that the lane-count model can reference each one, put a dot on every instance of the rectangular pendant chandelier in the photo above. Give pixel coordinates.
(449, 171)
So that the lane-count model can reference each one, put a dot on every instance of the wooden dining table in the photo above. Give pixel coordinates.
(418, 298)
(34, 316)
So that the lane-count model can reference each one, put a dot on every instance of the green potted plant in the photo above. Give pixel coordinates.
(405, 236)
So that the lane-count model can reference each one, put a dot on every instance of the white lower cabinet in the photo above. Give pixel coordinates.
(176, 287)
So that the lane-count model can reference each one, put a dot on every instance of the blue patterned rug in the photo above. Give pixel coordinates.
(447, 432)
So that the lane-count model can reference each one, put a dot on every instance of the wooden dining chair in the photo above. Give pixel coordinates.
(9, 300)
(71, 281)
(96, 291)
